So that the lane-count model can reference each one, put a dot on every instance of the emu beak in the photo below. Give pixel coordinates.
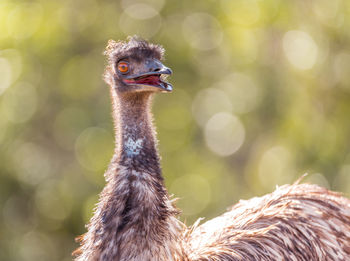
(153, 77)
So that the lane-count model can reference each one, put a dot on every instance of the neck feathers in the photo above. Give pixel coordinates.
(136, 143)
(134, 219)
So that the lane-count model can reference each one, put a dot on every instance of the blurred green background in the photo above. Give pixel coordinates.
(262, 95)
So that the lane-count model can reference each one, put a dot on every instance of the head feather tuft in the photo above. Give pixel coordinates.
(133, 46)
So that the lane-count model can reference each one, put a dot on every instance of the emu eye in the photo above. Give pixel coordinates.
(123, 67)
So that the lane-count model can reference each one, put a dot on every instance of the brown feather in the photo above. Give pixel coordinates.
(295, 222)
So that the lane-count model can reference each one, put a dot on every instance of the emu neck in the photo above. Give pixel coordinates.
(134, 219)
(135, 136)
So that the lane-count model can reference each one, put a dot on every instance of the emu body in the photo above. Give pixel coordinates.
(136, 220)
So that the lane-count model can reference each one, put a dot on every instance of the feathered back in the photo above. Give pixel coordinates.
(298, 222)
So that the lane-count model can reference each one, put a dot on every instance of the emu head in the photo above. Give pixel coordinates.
(135, 66)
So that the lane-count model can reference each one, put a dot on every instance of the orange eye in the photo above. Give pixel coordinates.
(123, 67)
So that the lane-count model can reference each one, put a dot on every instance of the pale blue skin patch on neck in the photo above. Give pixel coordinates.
(133, 147)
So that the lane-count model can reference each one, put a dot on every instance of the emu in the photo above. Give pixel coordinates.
(135, 219)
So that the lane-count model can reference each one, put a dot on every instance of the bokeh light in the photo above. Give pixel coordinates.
(140, 19)
(242, 91)
(300, 49)
(23, 21)
(5, 69)
(224, 134)
(90, 148)
(197, 193)
(341, 69)
(20, 102)
(10, 68)
(242, 12)
(275, 167)
(209, 102)
(261, 96)
(32, 163)
(202, 31)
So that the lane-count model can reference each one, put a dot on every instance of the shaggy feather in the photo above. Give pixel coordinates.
(295, 222)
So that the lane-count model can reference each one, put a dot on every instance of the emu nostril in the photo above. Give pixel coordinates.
(156, 70)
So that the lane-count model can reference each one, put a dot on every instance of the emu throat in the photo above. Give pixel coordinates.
(135, 138)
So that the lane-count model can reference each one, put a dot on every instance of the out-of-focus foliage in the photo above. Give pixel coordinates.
(262, 95)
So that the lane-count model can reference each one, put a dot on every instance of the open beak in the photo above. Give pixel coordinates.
(153, 77)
